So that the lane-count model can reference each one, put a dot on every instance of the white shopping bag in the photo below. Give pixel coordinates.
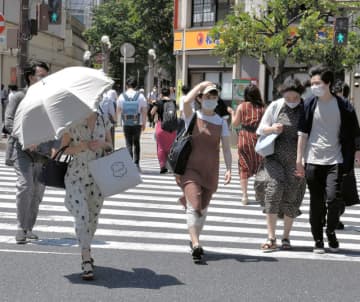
(115, 173)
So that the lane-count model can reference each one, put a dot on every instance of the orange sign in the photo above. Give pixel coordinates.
(194, 39)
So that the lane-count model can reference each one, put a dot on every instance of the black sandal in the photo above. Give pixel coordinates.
(285, 244)
(87, 267)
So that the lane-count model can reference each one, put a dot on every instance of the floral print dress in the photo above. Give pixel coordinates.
(83, 198)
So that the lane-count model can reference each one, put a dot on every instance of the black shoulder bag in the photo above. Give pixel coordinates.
(53, 171)
(181, 149)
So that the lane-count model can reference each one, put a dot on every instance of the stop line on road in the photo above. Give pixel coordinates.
(149, 218)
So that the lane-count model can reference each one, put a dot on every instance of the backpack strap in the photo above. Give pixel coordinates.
(136, 96)
(134, 99)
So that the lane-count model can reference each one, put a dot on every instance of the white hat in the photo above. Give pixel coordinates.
(210, 88)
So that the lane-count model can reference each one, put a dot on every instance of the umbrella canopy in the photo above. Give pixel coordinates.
(57, 101)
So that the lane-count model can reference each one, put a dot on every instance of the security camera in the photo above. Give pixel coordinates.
(357, 75)
(356, 84)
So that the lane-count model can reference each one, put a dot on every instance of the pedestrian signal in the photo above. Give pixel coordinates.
(341, 31)
(54, 7)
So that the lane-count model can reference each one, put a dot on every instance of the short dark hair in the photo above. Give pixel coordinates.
(185, 89)
(325, 73)
(252, 94)
(131, 82)
(30, 69)
(341, 87)
(292, 84)
(165, 91)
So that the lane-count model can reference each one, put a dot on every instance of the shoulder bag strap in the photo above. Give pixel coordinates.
(59, 152)
(192, 124)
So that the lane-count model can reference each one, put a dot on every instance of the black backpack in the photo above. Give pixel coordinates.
(169, 120)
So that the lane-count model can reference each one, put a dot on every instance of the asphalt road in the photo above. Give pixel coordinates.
(141, 251)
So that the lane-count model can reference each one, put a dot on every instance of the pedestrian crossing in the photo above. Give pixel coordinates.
(149, 218)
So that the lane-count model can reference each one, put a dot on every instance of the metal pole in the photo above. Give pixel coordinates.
(23, 42)
(2, 56)
(183, 75)
(124, 75)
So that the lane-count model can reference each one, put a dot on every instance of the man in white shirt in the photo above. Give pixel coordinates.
(108, 108)
(132, 106)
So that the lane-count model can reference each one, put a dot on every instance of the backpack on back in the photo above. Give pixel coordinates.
(169, 120)
(130, 110)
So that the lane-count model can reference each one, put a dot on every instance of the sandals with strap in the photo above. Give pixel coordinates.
(87, 267)
(285, 244)
(269, 246)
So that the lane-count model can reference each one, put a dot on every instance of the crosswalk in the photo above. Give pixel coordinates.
(149, 218)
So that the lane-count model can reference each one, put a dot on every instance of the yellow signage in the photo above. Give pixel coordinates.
(194, 39)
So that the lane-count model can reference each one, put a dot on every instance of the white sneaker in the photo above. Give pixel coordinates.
(20, 236)
(31, 235)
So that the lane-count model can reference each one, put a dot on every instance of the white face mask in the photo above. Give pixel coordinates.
(209, 104)
(318, 90)
(292, 105)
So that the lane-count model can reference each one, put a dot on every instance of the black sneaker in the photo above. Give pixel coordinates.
(340, 226)
(163, 170)
(197, 253)
(333, 242)
(319, 247)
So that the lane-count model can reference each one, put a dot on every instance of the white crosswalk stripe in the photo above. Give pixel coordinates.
(149, 218)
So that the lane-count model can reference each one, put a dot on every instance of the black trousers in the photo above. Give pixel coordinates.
(132, 139)
(324, 183)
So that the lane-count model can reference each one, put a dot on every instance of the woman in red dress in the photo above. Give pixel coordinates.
(248, 114)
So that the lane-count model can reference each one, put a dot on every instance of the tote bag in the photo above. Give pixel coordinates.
(115, 172)
(181, 149)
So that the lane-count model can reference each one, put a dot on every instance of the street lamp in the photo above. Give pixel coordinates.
(105, 49)
(151, 60)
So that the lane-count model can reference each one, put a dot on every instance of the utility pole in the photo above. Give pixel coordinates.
(23, 37)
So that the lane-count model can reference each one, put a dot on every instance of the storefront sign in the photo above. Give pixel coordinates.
(198, 39)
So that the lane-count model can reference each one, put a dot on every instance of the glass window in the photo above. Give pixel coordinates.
(224, 8)
(212, 77)
(226, 85)
(203, 13)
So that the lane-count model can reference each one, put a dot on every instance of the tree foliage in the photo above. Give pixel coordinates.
(144, 23)
(288, 33)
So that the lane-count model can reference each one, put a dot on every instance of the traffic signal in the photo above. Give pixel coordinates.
(54, 7)
(341, 31)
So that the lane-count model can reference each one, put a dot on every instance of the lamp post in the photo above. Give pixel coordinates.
(151, 61)
(105, 49)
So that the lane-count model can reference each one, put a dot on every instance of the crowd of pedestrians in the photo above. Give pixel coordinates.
(317, 142)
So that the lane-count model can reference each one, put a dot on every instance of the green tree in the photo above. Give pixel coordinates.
(145, 24)
(287, 32)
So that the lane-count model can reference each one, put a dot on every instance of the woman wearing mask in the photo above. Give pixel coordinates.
(284, 191)
(200, 179)
(87, 141)
(248, 114)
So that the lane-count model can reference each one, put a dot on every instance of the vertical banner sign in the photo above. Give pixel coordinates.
(2, 30)
(13, 76)
(179, 84)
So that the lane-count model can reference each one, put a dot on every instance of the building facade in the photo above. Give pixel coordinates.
(193, 46)
(61, 45)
